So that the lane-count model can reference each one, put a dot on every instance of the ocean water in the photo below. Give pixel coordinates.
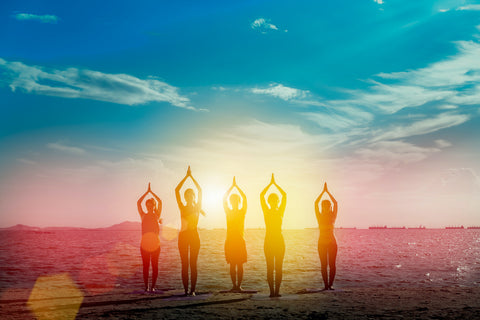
(99, 261)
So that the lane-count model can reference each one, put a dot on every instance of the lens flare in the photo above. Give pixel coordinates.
(150, 242)
(55, 297)
(169, 232)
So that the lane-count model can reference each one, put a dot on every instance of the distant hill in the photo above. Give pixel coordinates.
(22, 227)
(124, 226)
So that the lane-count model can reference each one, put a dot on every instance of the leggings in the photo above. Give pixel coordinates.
(189, 239)
(274, 249)
(327, 251)
(148, 256)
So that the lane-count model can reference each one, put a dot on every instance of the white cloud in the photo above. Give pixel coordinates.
(473, 7)
(393, 98)
(441, 121)
(393, 153)
(282, 92)
(445, 85)
(89, 84)
(263, 25)
(46, 18)
(443, 143)
(378, 1)
(447, 107)
(65, 148)
(456, 70)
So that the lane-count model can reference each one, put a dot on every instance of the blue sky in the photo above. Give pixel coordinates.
(379, 98)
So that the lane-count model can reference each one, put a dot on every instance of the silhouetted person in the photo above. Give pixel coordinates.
(235, 249)
(188, 239)
(274, 245)
(327, 244)
(150, 244)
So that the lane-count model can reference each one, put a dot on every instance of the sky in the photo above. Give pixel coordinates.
(378, 98)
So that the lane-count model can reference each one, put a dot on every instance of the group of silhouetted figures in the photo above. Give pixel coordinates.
(235, 250)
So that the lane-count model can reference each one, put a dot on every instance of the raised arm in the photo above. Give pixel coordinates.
(317, 210)
(283, 203)
(199, 190)
(335, 204)
(139, 203)
(159, 204)
(178, 188)
(244, 200)
(262, 196)
(225, 196)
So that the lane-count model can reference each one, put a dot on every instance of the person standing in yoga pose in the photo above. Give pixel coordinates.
(150, 244)
(188, 239)
(235, 249)
(327, 244)
(274, 245)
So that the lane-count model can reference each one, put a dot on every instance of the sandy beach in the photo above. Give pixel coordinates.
(346, 303)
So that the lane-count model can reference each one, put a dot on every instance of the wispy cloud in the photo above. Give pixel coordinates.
(26, 161)
(473, 7)
(393, 153)
(446, 85)
(443, 143)
(421, 127)
(65, 148)
(378, 1)
(263, 25)
(46, 18)
(281, 91)
(89, 84)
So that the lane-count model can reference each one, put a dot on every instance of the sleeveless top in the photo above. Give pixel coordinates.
(326, 224)
(235, 224)
(150, 224)
(189, 215)
(273, 223)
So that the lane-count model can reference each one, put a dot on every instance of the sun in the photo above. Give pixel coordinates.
(212, 201)
(213, 197)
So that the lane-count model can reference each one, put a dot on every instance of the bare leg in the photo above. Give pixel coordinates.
(332, 257)
(322, 253)
(154, 258)
(146, 267)
(194, 249)
(233, 276)
(239, 276)
(270, 266)
(183, 248)
(279, 271)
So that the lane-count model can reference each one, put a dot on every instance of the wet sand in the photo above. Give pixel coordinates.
(354, 303)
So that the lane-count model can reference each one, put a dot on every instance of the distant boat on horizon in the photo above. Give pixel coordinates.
(377, 227)
(418, 228)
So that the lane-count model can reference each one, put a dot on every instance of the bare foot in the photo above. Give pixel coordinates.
(192, 294)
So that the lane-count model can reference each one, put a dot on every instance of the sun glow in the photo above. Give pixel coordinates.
(213, 201)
